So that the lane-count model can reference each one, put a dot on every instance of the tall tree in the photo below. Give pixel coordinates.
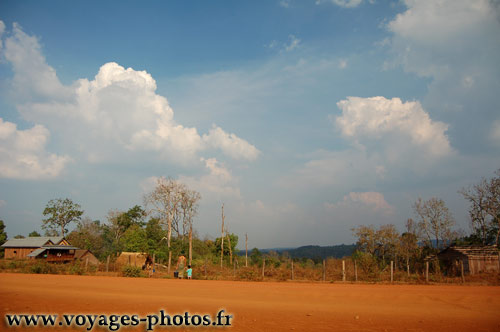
(60, 212)
(164, 202)
(435, 220)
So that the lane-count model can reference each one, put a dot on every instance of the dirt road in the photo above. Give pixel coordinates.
(258, 306)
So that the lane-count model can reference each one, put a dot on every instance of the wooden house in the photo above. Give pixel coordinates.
(21, 248)
(475, 259)
(54, 253)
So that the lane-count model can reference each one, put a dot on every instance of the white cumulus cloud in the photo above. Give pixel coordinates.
(118, 111)
(373, 200)
(23, 153)
(218, 183)
(366, 119)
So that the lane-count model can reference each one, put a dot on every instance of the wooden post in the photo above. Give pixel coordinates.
(408, 266)
(292, 268)
(128, 259)
(107, 264)
(324, 270)
(229, 246)
(222, 238)
(392, 271)
(462, 270)
(205, 268)
(263, 267)
(86, 264)
(343, 270)
(234, 269)
(246, 250)
(355, 271)
(427, 271)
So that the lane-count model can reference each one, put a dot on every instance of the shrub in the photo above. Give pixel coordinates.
(42, 268)
(131, 271)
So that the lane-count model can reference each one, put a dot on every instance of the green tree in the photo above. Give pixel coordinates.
(234, 242)
(89, 234)
(255, 256)
(34, 234)
(3, 237)
(134, 239)
(60, 212)
(19, 236)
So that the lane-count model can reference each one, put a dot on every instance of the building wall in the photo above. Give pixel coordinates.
(17, 253)
(483, 264)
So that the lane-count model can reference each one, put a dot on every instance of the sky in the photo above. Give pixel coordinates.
(305, 118)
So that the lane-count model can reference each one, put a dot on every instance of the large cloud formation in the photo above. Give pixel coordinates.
(405, 123)
(456, 44)
(119, 110)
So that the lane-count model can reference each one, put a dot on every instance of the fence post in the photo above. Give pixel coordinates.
(427, 271)
(205, 268)
(107, 264)
(324, 270)
(263, 267)
(343, 270)
(392, 271)
(462, 270)
(86, 264)
(355, 271)
(292, 268)
(234, 269)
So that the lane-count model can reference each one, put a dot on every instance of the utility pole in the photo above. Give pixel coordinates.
(222, 238)
(246, 249)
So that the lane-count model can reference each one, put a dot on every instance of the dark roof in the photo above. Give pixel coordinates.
(473, 251)
(32, 242)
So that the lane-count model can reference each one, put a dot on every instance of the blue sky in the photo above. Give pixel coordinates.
(305, 118)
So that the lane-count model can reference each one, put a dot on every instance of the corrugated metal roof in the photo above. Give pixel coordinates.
(32, 242)
(474, 251)
(36, 252)
(60, 247)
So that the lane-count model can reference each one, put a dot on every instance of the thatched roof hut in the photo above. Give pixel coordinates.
(134, 258)
(84, 255)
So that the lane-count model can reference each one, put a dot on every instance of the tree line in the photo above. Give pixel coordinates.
(432, 230)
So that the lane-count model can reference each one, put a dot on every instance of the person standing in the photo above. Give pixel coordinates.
(181, 265)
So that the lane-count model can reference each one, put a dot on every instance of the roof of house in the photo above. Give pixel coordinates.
(473, 251)
(36, 252)
(79, 253)
(32, 242)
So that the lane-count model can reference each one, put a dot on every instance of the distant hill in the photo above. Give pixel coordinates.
(315, 252)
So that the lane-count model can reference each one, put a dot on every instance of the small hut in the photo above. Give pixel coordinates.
(134, 258)
(84, 255)
(475, 259)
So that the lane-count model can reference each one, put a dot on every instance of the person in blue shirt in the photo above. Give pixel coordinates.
(189, 272)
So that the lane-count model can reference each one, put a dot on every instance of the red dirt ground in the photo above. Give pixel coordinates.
(259, 306)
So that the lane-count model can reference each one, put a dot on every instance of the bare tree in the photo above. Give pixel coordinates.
(485, 207)
(435, 221)
(408, 243)
(164, 202)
